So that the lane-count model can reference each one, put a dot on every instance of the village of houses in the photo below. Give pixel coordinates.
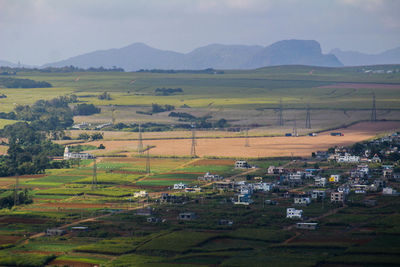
(365, 175)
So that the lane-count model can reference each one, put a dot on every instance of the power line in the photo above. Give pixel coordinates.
(194, 143)
(373, 112)
(140, 144)
(94, 180)
(148, 160)
(247, 143)
(308, 118)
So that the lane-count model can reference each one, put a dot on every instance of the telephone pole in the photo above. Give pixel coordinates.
(113, 114)
(140, 144)
(373, 112)
(280, 113)
(94, 180)
(194, 143)
(148, 160)
(294, 133)
(308, 118)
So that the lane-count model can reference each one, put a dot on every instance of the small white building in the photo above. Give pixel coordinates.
(335, 178)
(320, 181)
(315, 194)
(389, 191)
(292, 213)
(347, 158)
(266, 187)
(338, 197)
(71, 155)
(141, 193)
(208, 177)
(243, 199)
(304, 201)
(179, 186)
(241, 164)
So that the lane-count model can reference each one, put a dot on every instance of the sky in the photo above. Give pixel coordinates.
(36, 32)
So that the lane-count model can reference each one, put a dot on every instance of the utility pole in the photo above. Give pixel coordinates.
(194, 143)
(140, 144)
(247, 143)
(280, 113)
(373, 112)
(16, 197)
(148, 160)
(308, 118)
(94, 180)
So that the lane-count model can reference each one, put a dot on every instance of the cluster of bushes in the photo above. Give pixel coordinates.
(86, 109)
(104, 96)
(23, 83)
(167, 91)
(94, 136)
(156, 108)
(22, 198)
(3, 96)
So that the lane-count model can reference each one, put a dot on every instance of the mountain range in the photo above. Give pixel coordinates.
(352, 58)
(218, 56)
(140, 56)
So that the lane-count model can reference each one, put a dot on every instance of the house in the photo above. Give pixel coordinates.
(318, 194)
(187, 216)
(224, 185)
(396, 176)
(322, 155)
(320, 181)
(54, 232)
(208, 177)
(347, 158)
(82, 125)
(292, 213)
(303, 201)
(71, 155)
(388, 191)
(243, 199)
(266, 187)
(307, 226)
(179, 186)
(296, 175)
(376, 159)
(275, 170)
(141, 193)
(193, 189)
(242, 164)
(338, 197)
(334, 178)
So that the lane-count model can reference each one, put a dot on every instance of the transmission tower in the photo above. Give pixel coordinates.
(373, 112)
(193, 149)
(94, 180)
(308, 118)
(16, 197)
(247, 143)
(148, 160)
(140, 144)
(113, 114)
(280, 113)
(294, 128)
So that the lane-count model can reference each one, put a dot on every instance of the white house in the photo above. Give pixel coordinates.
(296, 175)
(315, 194)
(389, 191)
(141, 193)
(71, 155)
(243, 199)
(292, 213)
(347, 158)
(179, 186)
(320, 181)
(210, 177)
(335, 178)
(266, 187)
(302, 201)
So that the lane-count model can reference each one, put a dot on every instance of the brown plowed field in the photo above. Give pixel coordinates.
(259, 146)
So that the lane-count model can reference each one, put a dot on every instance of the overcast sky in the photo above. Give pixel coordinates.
(42, 31)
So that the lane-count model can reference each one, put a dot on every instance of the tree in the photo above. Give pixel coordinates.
(96, 136)
(83, 136)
